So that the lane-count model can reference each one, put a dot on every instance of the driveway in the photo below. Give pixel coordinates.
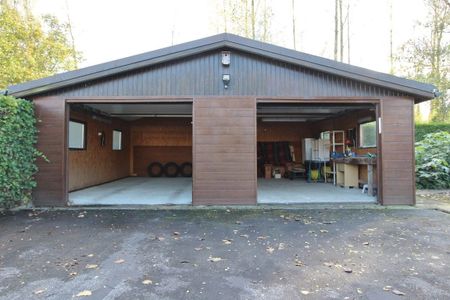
(225, 254)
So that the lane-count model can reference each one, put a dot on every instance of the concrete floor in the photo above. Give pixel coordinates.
(299, 191)
(157, 191)
(136, 191)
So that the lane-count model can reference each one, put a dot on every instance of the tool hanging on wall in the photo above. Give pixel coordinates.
(102, 136)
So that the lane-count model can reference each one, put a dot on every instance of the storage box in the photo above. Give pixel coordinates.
(267, 171)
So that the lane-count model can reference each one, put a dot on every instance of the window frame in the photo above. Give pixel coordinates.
(121, 140)
(84, 135)
(360, 136)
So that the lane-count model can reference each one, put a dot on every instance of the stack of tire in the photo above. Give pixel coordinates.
(170, 169)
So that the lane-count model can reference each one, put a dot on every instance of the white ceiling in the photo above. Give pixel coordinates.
(307, 112)
(134, 111)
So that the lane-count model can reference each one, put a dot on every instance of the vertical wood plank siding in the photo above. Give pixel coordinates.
(397, 141)
(201, 75)
(224, 151)
(51, 179)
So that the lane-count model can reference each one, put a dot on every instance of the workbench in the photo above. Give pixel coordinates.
(370, 162)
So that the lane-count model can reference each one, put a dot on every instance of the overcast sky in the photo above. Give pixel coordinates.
(105, 30)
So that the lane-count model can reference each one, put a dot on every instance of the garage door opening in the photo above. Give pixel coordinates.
(129, 153)
(321, 152)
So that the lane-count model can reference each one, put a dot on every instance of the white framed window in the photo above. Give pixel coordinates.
(117, 140)
(77, 135)
(368, 134)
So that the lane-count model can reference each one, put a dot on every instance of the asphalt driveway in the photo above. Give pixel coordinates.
(225, 254)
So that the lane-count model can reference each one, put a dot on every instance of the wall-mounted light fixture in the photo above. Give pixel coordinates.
(226, 80)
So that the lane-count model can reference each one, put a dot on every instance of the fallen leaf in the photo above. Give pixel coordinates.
(298, 262)
(119, 261)
(270, 249)
(348, 270)
(214, 259)
(328, 222)
(398, 293)
(147, 282)
(91, 266)
(84, 293)
(304, 292)
(39, 291)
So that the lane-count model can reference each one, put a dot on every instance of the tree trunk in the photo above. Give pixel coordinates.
(253, 20)
(336, 29)
(293, 24)
(341, 33)
(348, 32)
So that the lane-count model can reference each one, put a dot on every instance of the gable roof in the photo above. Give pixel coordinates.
(421, 91)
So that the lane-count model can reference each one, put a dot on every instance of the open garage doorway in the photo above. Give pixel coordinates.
(129, 153)
(317, 152)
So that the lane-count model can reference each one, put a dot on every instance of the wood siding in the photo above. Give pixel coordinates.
(201, 75)
(224, 151)
(397, 142)
(51, 178)
(161, 140)
(98, 164)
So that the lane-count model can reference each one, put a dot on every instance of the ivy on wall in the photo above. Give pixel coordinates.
(18, 154)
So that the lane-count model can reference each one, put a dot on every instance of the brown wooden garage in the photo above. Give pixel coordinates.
(226, 79)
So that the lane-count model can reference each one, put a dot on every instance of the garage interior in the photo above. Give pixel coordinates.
(132, 154)
(288, 174)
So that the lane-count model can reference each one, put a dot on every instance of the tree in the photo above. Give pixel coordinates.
(339, 23)
(426, 58)
(248, 18)
(32, 47)
(293, 24)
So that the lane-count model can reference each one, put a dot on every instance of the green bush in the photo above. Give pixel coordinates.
(423, 129)
(18, 135)
(433, 161)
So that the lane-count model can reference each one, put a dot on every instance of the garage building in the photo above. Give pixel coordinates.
(253, 123)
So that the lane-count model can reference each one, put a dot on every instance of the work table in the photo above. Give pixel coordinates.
(363, 160)
(358, 160)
